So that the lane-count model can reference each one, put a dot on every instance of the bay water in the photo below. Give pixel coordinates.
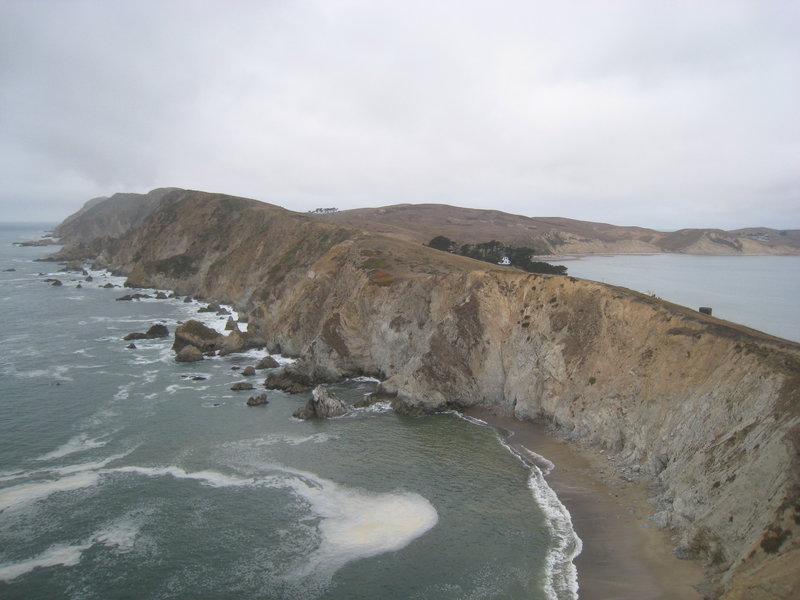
(124, 474)
(762, 292)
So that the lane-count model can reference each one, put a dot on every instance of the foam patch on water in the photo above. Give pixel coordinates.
(18, 495)
(57, 373)
(78, 443)
(357, 524)
(57, 555)
(354, 524)
(119, 535)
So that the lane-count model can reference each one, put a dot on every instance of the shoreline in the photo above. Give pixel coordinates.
(624, 556)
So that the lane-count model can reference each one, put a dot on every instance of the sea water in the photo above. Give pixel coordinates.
(757, 291)
(124, 474)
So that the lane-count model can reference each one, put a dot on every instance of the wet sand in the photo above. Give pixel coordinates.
(624, 557)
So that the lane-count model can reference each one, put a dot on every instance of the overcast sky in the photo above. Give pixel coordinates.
(662, 114)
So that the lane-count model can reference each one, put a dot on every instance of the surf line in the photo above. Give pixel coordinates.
(561, 575)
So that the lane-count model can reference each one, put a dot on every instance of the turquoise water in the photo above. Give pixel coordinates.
(125, 475)
(758, 291)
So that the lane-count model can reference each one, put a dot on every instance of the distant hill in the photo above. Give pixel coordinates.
(557, 235)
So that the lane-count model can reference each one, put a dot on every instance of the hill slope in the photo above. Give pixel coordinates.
(555, 235)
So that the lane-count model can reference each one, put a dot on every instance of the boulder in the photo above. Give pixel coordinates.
(108, 285)
(196, 334)
(267, 363)
(136, 296)
(89, 278)
(187, 300)
(259, 400)
(131, 346)
(156, 331)
(231, 325)
(323, 404)
(235, 342)
(209, 308)
(161, 296)
(242, 385)
(189, 353)
(249, 371)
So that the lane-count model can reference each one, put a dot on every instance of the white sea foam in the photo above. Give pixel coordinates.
(57, 555)
(561, 575)
(13, 497)
(376, 408)
(211, 478)
(78, 443)
(278, 438)
(357, 524)
(120, 535)
(57, 373)
(354, 524)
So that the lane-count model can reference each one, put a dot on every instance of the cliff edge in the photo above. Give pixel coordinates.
(708, 409)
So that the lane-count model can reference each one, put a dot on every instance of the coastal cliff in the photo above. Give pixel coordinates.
(707, 409)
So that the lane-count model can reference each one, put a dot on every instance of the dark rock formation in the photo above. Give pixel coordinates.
(242, 385)
(299, 377)
(9, 270)
(136, 296)
(156, 331)
(131, 346)
(189, 353)
(322, 405)
(249, 371)
(161, 296)
(89, 278)
(208, 308)
(108, 286)
(259, 400)
(231, 325)
(196, 334)
(267, 363)
(187, 300)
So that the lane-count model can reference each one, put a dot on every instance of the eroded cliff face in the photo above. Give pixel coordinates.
(708, 409)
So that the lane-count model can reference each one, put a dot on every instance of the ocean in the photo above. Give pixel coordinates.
(757, 291)
(124, 474)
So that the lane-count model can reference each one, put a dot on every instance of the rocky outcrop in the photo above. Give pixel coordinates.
(323, 404)
(189, 353)
(267, 363)
(154, 332)
(194, 333)
(709, 410)
(242, 385)
(260, 400)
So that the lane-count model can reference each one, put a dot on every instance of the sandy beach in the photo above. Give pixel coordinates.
(624, 557)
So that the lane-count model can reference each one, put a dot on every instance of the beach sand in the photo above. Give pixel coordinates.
(624, 557)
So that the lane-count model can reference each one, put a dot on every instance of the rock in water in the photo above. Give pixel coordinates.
(259, 400)
(267, 363)
(194, 333)
(323, 405)
(157, 331)
(242, 385)
(231, 325)
(189, 353)
(249, 371)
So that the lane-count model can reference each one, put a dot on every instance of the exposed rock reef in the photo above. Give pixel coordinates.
(323, 404)
(708, 409)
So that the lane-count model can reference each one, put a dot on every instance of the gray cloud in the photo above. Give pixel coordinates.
(662, 114)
